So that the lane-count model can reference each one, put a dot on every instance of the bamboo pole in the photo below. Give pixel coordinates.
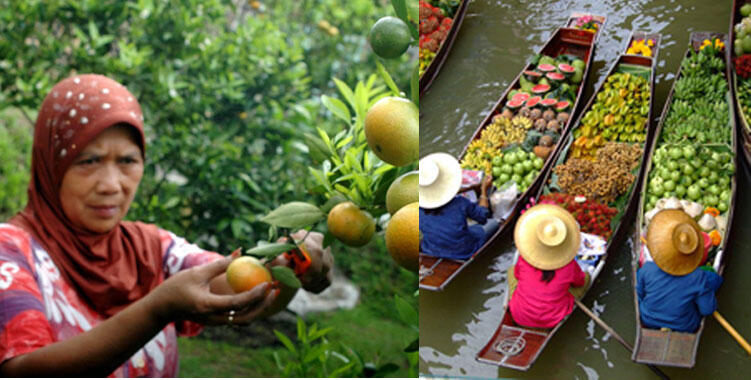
(738, 338)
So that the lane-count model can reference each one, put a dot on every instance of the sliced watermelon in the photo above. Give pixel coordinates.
(514, 104)
(540, 88)
(547, 103)
(546, 68)
(523, 96)
(563, 105)
(533, 101)
(532, 75)
(555, 77)
(567, 70)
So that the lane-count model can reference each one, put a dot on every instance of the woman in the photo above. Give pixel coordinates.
(673, 293)
(83, 292)
(443, 214)
(548, 238)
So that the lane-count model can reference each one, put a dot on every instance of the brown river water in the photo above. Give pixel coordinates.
(495, 40)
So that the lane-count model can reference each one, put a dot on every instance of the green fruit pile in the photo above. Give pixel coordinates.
(516, 166)
(742, 43)
(620, 111)
(700, 174)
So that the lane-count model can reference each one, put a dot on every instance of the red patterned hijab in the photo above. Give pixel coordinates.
(113, 269)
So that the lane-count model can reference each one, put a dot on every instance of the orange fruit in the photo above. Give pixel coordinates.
(403, 236)
(392, 128)
(389, 37)
(402, 192)
(349, 224)
(245, 273)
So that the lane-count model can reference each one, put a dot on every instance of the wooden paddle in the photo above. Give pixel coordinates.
(738, 338)
(615, 335)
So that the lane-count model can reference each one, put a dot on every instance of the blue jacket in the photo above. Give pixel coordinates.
(676, 302)
(447, 234)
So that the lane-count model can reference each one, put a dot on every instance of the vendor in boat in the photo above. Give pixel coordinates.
(443, 214)
(673, 292)
(541, 283)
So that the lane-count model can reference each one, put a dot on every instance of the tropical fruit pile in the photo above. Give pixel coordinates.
(436, 19)
(693, 164)
(602, 160)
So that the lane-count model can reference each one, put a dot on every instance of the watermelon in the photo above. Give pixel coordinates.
(567, 70)
(514, 104)
(533, 101)
(563, 105)
(540, 89)
(532, 75)
(547, 103)
(555, 77)
(545, 68)
(523, 96)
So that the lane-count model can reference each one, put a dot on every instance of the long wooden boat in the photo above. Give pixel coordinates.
(669, 347)
(431, 72)
(743, 121)
(436, 273)
(516, 346)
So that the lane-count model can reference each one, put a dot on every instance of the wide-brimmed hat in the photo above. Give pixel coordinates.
(547, 236)
(440, 179)
(675, 242)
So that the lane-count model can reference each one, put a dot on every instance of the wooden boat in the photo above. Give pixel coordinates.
(436, 273)
(669, 347)
(518, 347)
(743, 121)
(427, 77)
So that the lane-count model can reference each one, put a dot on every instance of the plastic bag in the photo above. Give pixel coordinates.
(503, 202)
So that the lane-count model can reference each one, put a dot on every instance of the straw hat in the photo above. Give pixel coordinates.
(440, 179)
(547, 236)
(675, 242)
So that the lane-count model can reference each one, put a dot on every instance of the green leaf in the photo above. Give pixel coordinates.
(407, 313)
(344, 142)
(341, 370)
(337, 107)
(414, 85)
(328, 238)
(320, 333)
(301, 334)
(333, 201)
(286, 276)
(387, 78)
(294, 215)
(286, 342)
(400, 8)
(315, 353)
(346, 92)
(385, 369)
(270, 250)
(414, 346)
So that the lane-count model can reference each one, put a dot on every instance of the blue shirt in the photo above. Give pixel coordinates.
(447, 234)
(676, 302)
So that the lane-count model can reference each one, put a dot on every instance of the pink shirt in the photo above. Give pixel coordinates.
(39, 307)
(536, 303)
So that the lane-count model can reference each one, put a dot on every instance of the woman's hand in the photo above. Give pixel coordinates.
(318, 276)
(486, 182)
(187, 296)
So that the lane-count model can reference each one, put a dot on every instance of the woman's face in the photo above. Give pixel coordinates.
(100, 184)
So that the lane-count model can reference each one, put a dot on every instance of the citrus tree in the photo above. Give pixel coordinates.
(365, 171)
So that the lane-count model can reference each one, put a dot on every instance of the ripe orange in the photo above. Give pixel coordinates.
(403, 236)
(402, 192)
(392, 128)
(389, 37)
(245, 273)
(349, 224)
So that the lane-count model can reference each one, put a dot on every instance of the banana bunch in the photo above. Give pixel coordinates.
(522, 123)
(480, 154)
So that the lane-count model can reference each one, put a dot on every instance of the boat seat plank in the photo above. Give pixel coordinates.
(666, 348)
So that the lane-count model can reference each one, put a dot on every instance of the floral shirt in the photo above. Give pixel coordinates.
(39, 307)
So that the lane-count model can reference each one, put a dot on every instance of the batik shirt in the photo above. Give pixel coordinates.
(39, 307)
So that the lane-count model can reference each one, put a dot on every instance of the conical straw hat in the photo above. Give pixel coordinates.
(675, 242)
(547, 236)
